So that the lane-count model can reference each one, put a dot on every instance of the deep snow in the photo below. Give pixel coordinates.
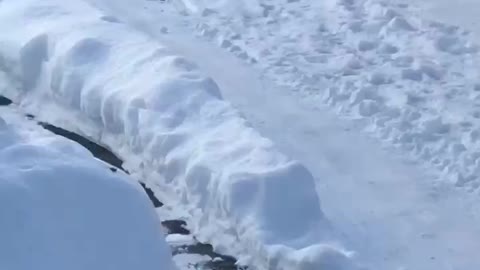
(397, 216)
(63, 209)
(171, 126)
(189, 254)
(410, 83)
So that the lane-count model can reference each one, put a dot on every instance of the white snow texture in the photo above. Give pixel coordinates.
(62, 209)
(156, 109)
(412, 82)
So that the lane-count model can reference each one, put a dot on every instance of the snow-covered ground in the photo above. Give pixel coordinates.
(379, 105)
(413, 83)
(62, 209)
(171, 126)
(461, 13)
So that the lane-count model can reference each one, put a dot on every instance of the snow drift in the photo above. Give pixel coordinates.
(63, 209)
(71, 63)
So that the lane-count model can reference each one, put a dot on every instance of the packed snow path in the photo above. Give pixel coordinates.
(391, 212)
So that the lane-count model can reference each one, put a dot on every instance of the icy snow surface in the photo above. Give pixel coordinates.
(62, 209)
(114, 75)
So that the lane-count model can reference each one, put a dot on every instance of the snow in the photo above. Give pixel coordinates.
(186, 261)
(395, 215)
(72, 66)
(463, 14)
(373, 61)
(405, 80)
(63, 209)
(387, 211)
(313, 77)
(179, 238)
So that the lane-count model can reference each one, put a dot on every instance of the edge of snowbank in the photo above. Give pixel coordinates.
(156, 110)
(63, 209)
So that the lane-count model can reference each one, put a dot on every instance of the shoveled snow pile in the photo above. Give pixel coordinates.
(74, 66)
(414, 83)
(62, 209)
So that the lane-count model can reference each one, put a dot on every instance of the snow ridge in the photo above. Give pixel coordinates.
(170, 124)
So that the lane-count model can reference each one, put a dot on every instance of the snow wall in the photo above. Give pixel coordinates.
(157, 111)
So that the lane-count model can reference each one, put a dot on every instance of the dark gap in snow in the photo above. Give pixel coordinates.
(217, 262)
(155, 201)
(176, 227)
(98, 151)
(151, 195)
(5, 101)
(222, 264)
(206, 249)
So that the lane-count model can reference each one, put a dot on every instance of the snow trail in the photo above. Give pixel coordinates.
(98, 77)
(388, 210)
(412, 82)
(394, 215)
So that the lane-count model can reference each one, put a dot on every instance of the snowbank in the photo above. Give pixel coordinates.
(62, 209)
(71, 63)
